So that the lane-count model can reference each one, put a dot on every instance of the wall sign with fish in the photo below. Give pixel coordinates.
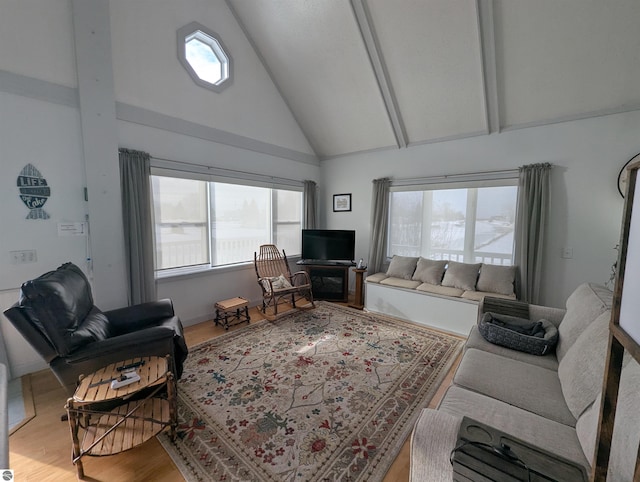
(34, 191)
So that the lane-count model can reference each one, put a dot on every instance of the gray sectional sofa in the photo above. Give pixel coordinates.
(550, 401)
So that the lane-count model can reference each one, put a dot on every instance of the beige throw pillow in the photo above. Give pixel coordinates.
(461, 275)
(497, 279)
(429, 271)
(402, 267)
(278, 283)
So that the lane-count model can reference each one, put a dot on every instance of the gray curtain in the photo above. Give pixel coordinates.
(135, 178)
(379, 222)
(532, 211)
(310, 202)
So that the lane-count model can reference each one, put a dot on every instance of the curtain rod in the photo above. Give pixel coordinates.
(480, 175)
(224, 172)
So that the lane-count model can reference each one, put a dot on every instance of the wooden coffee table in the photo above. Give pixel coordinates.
(126, 423)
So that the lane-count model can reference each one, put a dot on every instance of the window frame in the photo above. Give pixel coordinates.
(208, 267)
(191, 30)
(504, 179)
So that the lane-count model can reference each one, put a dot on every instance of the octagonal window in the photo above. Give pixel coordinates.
(204, 57)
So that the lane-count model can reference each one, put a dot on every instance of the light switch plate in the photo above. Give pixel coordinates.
(23, 257)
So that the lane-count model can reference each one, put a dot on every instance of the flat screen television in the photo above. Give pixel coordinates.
(328, 245)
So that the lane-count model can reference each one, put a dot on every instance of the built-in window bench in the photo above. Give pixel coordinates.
(433, 293)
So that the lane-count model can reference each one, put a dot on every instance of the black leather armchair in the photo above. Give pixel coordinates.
(56, 315)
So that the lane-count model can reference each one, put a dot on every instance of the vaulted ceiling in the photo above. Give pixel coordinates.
(362, 75)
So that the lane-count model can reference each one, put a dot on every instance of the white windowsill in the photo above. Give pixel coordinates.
(175, 274)
(197, 271)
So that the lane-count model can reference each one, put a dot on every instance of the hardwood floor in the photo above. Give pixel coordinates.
(41, 449)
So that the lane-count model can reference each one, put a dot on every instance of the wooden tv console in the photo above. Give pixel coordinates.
(329, 281)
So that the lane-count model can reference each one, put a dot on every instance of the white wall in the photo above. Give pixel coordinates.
(57, 155)
(586, 208)
(36, 40)
(147, 72)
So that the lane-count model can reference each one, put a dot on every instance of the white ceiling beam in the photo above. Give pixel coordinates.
(484, 9)
(371, 43)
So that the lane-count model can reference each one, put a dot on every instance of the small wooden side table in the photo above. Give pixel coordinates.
(234, 309)
(359, 301)
(128, 423)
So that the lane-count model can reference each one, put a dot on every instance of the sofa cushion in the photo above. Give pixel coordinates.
(402, 266)
(539, 431)
(475, 340)
(626, 428)
(531, 388)
(582, 368)
(429, 271)
(461, 275)
(587, 429)
(497, 279)
(376, 278)
(584, 305)
(440, 290)
(400, 283)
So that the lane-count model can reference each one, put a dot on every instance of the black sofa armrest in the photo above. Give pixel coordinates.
(134, 317)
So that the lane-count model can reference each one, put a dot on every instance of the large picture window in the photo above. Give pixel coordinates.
(216, 223)
(465, 224)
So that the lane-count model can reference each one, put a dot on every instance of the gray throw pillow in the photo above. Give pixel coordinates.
(461, 275)
(429, 271)
(497, 279)
(402, 267)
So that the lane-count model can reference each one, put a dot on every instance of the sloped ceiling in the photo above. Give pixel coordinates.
(362, 75)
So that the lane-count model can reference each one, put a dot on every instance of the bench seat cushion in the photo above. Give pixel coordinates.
(400, 283)
(440, 290)
(539, 431)
(529, 387)
(479, 295)
(376, 278)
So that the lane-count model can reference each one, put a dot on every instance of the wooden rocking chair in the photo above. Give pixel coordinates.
(277, 282)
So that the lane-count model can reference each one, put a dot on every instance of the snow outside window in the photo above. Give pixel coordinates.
(471, 225)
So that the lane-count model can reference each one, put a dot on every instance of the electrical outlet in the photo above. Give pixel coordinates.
(567, 253)
(24, 257)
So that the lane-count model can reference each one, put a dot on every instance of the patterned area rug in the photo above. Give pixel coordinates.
(325, 394)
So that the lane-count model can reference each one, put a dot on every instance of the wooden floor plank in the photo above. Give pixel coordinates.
(41, 449)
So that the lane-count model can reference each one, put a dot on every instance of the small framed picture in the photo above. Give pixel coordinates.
(341, 202)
